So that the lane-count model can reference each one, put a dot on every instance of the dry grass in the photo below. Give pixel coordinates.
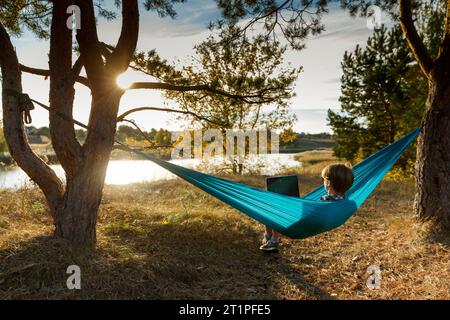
(315, 160)
(168, 240)
(315, 156)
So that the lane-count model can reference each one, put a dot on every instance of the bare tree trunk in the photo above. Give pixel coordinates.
(76, 218)
(62, 92)
(14, 131)
(432, 200)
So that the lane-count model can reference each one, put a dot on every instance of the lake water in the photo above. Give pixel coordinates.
(133, 171)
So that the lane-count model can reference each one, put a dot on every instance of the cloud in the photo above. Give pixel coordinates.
(192, 18)
(311, 120)
(332, 80)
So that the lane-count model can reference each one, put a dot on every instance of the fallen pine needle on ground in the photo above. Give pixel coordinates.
(169, 240)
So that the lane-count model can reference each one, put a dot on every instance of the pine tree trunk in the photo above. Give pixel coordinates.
(76, 218)
(75, 206)
(432, 200)
(14, 129)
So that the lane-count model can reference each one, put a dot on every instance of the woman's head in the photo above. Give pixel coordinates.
(337, 178)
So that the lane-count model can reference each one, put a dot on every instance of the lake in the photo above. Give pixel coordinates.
(121, 172)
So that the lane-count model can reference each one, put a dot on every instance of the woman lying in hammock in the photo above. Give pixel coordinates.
(337, 180)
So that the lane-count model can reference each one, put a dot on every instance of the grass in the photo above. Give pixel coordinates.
(315, 160)
(308, 143)
(169, 240)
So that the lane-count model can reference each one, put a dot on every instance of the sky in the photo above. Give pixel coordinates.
(317, 88)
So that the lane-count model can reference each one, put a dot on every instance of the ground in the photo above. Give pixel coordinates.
(169, 240)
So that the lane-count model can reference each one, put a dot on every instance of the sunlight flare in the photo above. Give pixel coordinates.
(125, 80)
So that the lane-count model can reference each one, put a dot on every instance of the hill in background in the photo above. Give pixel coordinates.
(307, 141)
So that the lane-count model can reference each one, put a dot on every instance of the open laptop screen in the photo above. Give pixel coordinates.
(287, 185)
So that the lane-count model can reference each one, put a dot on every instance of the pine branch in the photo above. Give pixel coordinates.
(46, 73)
(127, 113)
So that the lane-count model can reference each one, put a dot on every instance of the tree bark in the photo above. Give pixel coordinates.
(14, 130)
(76, 217)
(62, 91)
(432, 201)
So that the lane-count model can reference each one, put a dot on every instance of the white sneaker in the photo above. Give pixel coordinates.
(266, 238)
(269, 246)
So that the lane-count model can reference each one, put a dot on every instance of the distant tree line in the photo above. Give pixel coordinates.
(125, 133)
(291, 142)
(132, 136)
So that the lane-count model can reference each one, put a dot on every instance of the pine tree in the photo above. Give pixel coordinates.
(382, 95)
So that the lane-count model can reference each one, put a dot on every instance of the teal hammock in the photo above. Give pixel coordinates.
(297, 218)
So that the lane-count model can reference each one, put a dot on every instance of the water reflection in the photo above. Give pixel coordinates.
(133, 171)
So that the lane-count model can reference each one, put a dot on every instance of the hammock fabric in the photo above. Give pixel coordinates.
(293, 217)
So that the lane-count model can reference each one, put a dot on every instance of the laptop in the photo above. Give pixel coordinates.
(287, 185)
